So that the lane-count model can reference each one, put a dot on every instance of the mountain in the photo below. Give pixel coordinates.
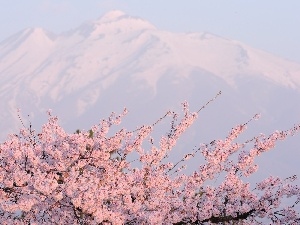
(120, 60)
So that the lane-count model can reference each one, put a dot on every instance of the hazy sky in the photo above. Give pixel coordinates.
(271, 25)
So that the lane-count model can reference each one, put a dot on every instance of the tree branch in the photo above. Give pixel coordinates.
(221, 219)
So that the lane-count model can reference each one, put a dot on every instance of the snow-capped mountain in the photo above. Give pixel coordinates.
(119, 60)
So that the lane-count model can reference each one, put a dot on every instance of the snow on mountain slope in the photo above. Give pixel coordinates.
(228, 59)
(115, 43)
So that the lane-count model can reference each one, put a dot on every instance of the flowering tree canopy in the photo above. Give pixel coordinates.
(87, 178)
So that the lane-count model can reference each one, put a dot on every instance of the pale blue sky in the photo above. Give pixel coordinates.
(271, 25)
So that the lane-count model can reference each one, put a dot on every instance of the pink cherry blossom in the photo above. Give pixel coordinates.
(88, 177)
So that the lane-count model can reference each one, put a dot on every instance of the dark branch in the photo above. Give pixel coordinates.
(221, 219)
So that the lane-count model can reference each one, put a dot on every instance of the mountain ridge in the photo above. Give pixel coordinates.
(179, 44)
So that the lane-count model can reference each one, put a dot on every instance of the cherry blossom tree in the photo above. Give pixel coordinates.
(88, 177)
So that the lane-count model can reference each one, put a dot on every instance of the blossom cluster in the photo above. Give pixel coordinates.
(54, 177)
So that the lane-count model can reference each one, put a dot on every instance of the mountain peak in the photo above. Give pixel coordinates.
(112, 15)
(38, 34)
